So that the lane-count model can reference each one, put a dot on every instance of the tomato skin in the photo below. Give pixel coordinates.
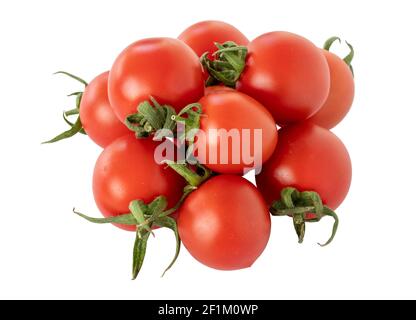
(216, 89)
(309, 158)
(126, 171)
(97, 116)
(225, 224)
(341, 93)
(231, 110)
(202, 35)
(286, 73)
(164, 68)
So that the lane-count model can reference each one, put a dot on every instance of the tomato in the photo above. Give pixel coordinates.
(216, 89)
(164, 68)
(308, 158)
(126, 170)
(225, 224)
(97, 116)
(288, 74)
(239, 114)
(341, 93)
(201, 36)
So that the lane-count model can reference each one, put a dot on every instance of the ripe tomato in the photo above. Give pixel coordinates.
(216, 89)
(202, 35)
(97, 116)
(308, 158)
(164, 68)
(225, 224)
(288, 74)
(341, 93)
(239, 114)
(126, 170)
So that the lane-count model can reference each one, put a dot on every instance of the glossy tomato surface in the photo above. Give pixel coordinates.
(237, 132)
(126, 171)
(309, 158)
(288, 74)
(225, 224)
(217, 89)
(341, 93)
(164, 68)
(97, 116)
(201, 36)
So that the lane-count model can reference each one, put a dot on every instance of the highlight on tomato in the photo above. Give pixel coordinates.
(341, 92)
(308, 176)
(163, 68)
(285, 72)
(96, 117)
(225, 223)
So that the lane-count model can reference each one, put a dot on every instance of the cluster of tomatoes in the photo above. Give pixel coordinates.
(213, 77)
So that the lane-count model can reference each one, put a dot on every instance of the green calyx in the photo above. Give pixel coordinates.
(75, 127)
(153, 118)
(303, 207)
(228, 64)
(144, 216)
(162, 121)
(348, 58)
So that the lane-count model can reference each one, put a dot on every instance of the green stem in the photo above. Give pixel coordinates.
(186, 192)
(193, 178)
(347, 59)
(229, 63)
(291, 211)
(300, 227)
(298, 206)
(170, 223)
(328, 43)
(139, 252)
(153, 118)
(72, 112)
(77, 126)
(127, 219)
(85, 83)
(328, 212)
(144, 216)
(138, 210)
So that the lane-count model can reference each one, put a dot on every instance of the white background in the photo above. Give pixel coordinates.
(48, 252)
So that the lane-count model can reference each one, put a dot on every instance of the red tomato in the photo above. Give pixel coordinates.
(216, 89)
(97, 116)
(164, 68)
(234, 112)
(202, 35)
(288, 74)
(309, 158)
(225, 224)
(341, 93)
(126, 170)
